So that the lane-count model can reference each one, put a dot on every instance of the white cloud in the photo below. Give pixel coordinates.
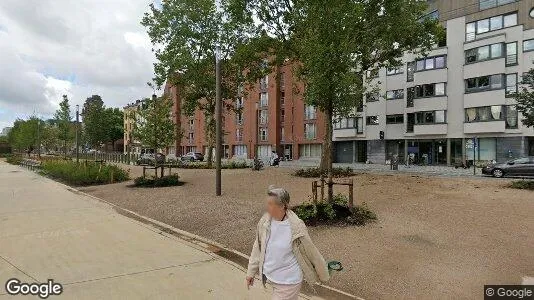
(78, 48)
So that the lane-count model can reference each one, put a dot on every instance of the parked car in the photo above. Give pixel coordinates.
(192, 156)
(146, 159)
(517, 167)
(171, 158)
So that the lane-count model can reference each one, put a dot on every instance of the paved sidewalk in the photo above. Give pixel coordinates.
(50, 232)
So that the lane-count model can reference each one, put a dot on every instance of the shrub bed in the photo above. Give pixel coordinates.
(170, 180)
(523, 184)
(13, 159)
(316, 172)
(86, 173)
(336, 212)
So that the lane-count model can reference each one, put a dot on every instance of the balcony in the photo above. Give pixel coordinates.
(345, 133)
(486, 98)
(485, 127)
(431, 103)
(485, 68)
(430, 129)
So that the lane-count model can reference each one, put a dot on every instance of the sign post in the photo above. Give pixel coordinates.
(474, 156)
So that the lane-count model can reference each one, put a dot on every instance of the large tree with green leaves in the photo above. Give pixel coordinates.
(525, 99)
(94, 122)
(25, 134)
(185, 34)
(333, 44)
(154, 126)
(63, 120)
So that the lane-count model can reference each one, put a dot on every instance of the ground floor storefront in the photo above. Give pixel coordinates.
(446, 151)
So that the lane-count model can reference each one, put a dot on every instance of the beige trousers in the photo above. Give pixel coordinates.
(286, 291)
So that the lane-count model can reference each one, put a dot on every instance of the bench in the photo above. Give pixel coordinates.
(30, 163)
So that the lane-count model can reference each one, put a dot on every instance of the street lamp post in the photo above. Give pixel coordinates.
(77, 133)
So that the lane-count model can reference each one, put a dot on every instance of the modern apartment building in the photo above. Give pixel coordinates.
(270, 116)
(436, 107)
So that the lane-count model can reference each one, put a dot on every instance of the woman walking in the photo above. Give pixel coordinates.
(283, 253)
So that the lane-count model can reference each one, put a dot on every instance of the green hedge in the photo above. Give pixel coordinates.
(523, 184)
(316, 172)
(171, 180)
(84, 173)
(13, 159)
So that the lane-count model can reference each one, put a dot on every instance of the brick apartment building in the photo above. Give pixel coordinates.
(273, 117)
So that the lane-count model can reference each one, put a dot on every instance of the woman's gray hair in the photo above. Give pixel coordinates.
(281, 195)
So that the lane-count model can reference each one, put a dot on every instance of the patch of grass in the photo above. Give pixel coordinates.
(85, 173)
(336, 212)
(316, 172)
(523, 184)
(170, 180)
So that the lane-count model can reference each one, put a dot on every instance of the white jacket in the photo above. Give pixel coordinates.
(311, 262)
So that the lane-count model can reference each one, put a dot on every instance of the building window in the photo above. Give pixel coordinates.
(430, 117)
(310, 150)
(528, 45)
(282, 134)
(485, 4)
(191, 124)
(240, 150)
(395, 94)
(282, 80)
(359, 125)
(511, 117)
(264, 99)
(239, 118)
(263, 116)
(511, 53)
(487, 25)
(410, 70)
(431, 63)
(484, 83)
(395, 119)
(394, 71)
(282, 98)
(282, 115)
(372, 97)
(410, 95)
(239, 134)
(410, 122)
(430, 90)
(191, 138)
(310, 131)
(239, 102)
(263, 134)
(310, 112)
(511, 84)
(372, 120)
(264, 82)
(484, 53)
(484, 114)
(344, 123)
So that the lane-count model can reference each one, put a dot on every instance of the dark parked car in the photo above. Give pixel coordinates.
(517, 167)
(192, 156)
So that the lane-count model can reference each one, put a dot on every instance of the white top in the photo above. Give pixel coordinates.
(280, 265)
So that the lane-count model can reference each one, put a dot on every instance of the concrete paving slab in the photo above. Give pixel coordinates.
(48, 231)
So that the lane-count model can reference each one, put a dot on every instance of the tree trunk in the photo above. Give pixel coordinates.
(210, 137)
(326, 158)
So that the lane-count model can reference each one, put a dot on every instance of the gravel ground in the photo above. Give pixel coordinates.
(436, 238)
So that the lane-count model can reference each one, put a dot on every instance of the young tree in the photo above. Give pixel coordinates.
(185, 34)
(114, 124)
(155, 128)
(63, 120)
(525, 99)
(24, 135)
(94, 121)
(334, 44)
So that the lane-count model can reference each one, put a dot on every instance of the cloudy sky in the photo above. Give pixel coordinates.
(79, 48)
